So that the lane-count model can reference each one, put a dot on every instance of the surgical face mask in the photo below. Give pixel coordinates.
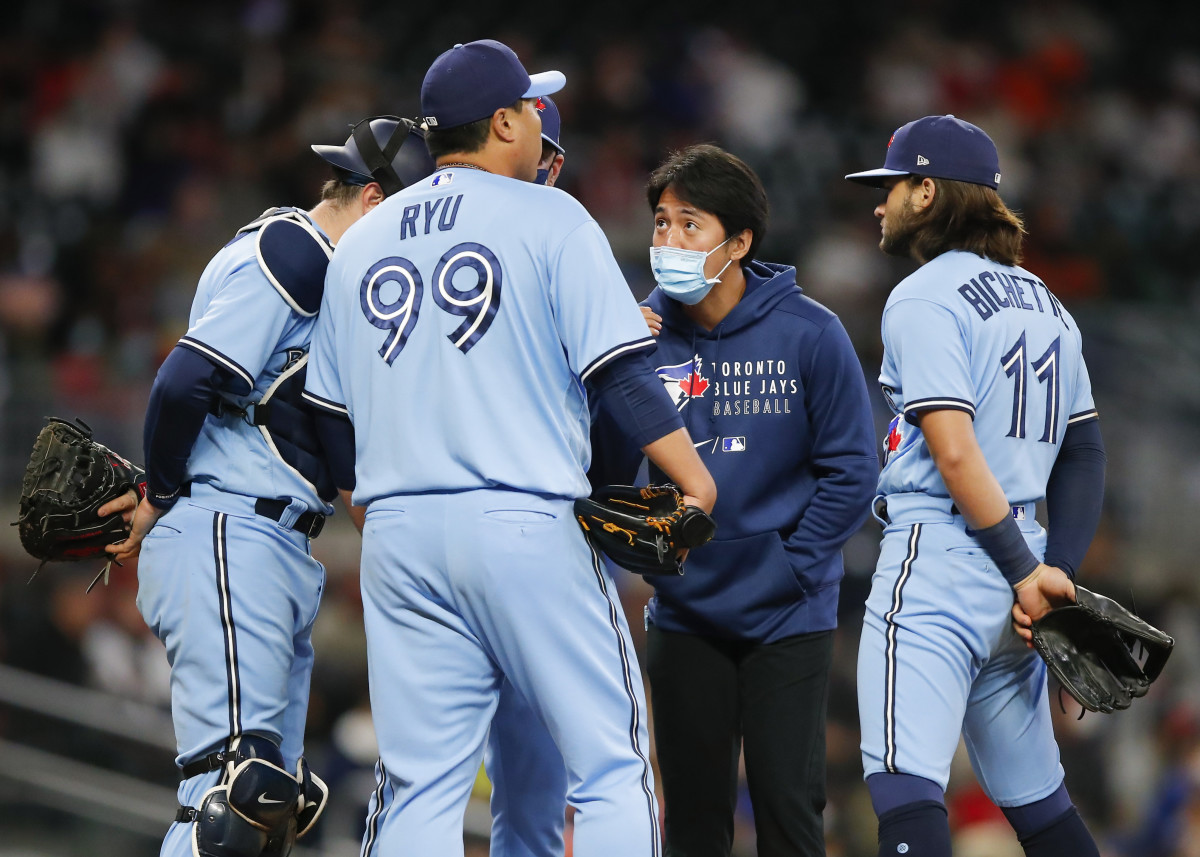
(680, 273)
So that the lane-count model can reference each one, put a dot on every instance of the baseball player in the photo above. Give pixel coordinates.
(463, 328)
(237, 486)
(553, 154)
(525, 767)
(993, 413)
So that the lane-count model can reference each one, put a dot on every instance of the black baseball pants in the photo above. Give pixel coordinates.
(712, 697)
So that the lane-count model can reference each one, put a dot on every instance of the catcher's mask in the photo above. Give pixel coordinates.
(384, 149)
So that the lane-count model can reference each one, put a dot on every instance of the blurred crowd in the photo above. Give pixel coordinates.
(135, 137)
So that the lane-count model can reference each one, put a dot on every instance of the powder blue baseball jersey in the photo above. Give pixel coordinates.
(938, 653)
(459, 323)
(507, 293)
(244, 322)
(966, 333)
(232, 593)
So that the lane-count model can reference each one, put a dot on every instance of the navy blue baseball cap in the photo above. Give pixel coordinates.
(384, 149)
(472, 81)
(942, 147)
(551, 122)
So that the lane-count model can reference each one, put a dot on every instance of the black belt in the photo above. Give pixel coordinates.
(309, 523)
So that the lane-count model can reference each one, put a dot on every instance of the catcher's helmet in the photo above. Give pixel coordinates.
(384, 149)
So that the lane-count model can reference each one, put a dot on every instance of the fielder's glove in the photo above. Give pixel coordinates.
(68, 478)
(642, 529)
(1090, 648)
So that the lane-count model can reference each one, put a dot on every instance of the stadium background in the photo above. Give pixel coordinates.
(136, 136)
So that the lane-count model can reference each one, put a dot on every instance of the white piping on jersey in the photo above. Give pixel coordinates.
(1083, 416)
(931, 404)
(620, 349)
(373, 821)
(220, 525)
(324, 404)
(302, 221)
(283, 376)
(635, 722)
(889, 704)
(212, 354)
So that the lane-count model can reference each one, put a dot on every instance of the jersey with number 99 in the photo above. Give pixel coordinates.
(966, 333)
(458, 323)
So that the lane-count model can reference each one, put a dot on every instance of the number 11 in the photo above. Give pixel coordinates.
(1045, 368)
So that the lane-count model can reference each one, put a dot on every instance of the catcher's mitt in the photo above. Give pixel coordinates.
(1093, 648)
(68, 478)
(642, 529)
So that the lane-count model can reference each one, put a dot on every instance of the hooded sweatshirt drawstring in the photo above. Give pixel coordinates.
(712, 412)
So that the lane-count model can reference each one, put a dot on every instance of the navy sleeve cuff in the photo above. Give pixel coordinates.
(632, 395)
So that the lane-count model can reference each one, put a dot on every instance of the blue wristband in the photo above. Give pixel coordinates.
(1006, 546)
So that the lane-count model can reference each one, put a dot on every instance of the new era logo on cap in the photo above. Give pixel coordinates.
(943, 147)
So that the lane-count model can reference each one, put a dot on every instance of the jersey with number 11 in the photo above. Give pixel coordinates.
(969, 334)
(459, 321)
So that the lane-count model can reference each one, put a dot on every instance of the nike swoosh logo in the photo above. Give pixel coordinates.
(262, 798)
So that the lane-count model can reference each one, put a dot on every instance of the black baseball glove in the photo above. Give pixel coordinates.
(68, 478)
(1101, 654)
(642, 529)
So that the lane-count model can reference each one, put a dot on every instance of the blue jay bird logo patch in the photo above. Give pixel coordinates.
(684, 381)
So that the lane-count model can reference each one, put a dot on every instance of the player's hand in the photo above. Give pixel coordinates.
(706, 504)
(123, 505)
(653, 320)
(145, 516)
(1046, 588)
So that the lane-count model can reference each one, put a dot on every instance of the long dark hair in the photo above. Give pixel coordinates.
(966, 216)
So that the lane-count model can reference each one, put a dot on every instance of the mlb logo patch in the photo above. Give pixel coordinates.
(1018, 513)
(441, 179)
(733, 444)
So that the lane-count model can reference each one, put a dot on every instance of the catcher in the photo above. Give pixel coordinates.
(72, 488)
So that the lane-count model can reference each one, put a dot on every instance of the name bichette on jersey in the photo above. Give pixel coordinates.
(989, 292)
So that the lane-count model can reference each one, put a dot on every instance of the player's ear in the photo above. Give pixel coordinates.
(370, 196)
(556, 165)
(922, 195)
(503, 125)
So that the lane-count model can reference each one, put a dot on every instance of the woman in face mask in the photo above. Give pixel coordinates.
(739, 647)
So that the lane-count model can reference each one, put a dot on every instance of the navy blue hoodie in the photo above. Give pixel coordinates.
(775, 400)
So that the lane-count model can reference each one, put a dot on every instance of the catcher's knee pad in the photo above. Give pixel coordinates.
(254, 808)
(218, 830)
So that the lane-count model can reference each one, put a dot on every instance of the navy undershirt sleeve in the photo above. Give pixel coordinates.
(1075, 495)
(336, 434)
(638, 404)
(183, 393)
